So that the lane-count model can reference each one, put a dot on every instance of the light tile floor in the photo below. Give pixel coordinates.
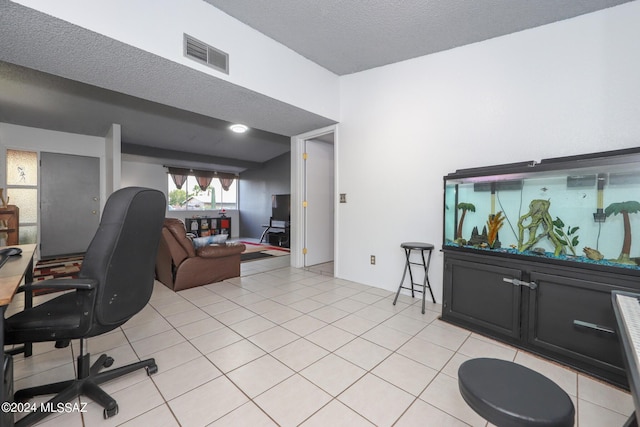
(325, 268)
(285, 346)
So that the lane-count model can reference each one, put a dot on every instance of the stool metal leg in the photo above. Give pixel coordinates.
(408, 255)
(404, 274)
(426, 280)
(425, 283)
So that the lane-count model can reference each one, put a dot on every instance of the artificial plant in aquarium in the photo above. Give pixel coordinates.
(569, 238)
(624, 208)
(494, 223)
(464, 207)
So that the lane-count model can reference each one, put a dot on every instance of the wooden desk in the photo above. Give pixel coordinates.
(12, 274)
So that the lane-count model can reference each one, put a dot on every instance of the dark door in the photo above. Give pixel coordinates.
(570, 317)
(69, 203)
(477, 294)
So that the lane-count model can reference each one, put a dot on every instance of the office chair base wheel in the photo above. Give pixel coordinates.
(153, 369)
(63, 343)
(108, 413)
(107, 362)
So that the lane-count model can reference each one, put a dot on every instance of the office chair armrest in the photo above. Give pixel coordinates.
(60, 285)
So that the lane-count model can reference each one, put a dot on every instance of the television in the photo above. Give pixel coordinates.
(281, 207)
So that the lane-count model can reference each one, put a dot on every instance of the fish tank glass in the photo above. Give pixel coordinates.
(579, 209)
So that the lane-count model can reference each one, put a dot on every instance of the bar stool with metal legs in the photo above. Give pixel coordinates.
(422, 247)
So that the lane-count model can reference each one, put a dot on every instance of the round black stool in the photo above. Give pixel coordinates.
(422, 247)
(507, 394)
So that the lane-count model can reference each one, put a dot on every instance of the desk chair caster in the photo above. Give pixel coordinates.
(110, 412)
(108, 361)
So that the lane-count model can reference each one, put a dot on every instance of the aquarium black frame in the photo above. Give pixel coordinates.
(605, 158)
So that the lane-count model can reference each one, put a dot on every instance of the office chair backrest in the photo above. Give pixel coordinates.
(122, 254)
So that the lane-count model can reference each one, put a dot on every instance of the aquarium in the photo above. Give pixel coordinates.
(578, 209)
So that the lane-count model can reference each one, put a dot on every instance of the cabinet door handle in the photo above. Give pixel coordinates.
(592, 326)
(517, 282)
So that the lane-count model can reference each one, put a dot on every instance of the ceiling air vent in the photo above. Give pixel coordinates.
(208, 55)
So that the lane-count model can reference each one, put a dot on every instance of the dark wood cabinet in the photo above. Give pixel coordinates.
(468, 302)
(223, 225)
(572, 317)
(208, 226)
(558, 311)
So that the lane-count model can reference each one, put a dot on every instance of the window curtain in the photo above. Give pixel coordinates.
(203, 178)
(203, 182)
(179, 176)
(226, 179)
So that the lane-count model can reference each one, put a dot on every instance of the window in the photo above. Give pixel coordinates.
(192, 197)
(22, 191)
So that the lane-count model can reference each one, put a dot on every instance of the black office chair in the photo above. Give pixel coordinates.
(114, 283)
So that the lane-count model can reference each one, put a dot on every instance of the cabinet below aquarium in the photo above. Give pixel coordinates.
(533, 250)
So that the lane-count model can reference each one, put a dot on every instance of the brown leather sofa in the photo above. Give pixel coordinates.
(180, 266)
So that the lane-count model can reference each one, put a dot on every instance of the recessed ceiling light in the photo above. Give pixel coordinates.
(238, 128)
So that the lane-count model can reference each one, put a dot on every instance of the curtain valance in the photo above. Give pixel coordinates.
(179, 176)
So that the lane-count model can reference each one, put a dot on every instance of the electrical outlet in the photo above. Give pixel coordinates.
(373, 259)
(343, 197)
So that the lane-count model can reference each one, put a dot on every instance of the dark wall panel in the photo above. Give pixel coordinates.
(256, 188)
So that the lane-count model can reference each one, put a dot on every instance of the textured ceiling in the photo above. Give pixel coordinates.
(56, 75)
(347, 36)
(76, 107)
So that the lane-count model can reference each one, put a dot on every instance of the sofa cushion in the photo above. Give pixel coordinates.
(215, 251)
(180, 266)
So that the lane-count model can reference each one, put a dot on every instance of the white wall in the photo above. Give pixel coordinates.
(256, 61)
(567, 88)
(144, 175)
(113, 155)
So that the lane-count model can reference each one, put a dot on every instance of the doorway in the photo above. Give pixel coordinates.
(319, 197)
(313, 201)
(69, 203)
